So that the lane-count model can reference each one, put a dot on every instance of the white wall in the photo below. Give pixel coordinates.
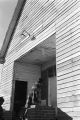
(6, 84)
(64, 18)
(68, 58)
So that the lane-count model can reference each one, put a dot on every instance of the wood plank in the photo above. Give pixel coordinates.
(73, 73)
(67, 80)
(70, 38)
(65, 35)
(69, 22)
(66, 99)
(70, 104)
(68, 89)
(60, 20)
(6, 85)
(67, 54)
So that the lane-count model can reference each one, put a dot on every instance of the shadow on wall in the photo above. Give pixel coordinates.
(62, 115)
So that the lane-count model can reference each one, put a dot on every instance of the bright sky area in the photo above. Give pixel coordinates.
(6, 12)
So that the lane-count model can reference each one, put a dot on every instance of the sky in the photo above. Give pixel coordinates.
(6, 12)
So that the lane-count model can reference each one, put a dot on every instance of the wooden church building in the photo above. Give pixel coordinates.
(43, 41)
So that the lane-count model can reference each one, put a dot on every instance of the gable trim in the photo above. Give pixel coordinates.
(11, 29)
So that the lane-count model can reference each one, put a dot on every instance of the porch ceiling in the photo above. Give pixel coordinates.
(44, 52)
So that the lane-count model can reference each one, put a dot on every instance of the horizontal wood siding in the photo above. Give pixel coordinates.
(68, 59)
(6, 85)
(41, 17)
(36, 17)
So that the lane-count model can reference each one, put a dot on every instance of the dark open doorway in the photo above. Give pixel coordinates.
(19, 96)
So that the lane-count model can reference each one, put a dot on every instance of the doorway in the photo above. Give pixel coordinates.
(49, 85)
(44, 56)
(19, 96)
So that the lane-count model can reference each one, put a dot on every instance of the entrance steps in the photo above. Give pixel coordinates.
(46, 113)
(41, 113)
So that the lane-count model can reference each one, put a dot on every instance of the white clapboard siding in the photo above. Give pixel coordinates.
(6, 84)
(68, 99)
(31, 44)
(67, 8)
(69, 79)
(69, 13)
(41, 18)
(27, 72)
(68, 64)
(68, 89)
(74, 16)
(68, 71)
(38, 18)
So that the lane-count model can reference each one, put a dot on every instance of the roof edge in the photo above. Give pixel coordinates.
(11, 29)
